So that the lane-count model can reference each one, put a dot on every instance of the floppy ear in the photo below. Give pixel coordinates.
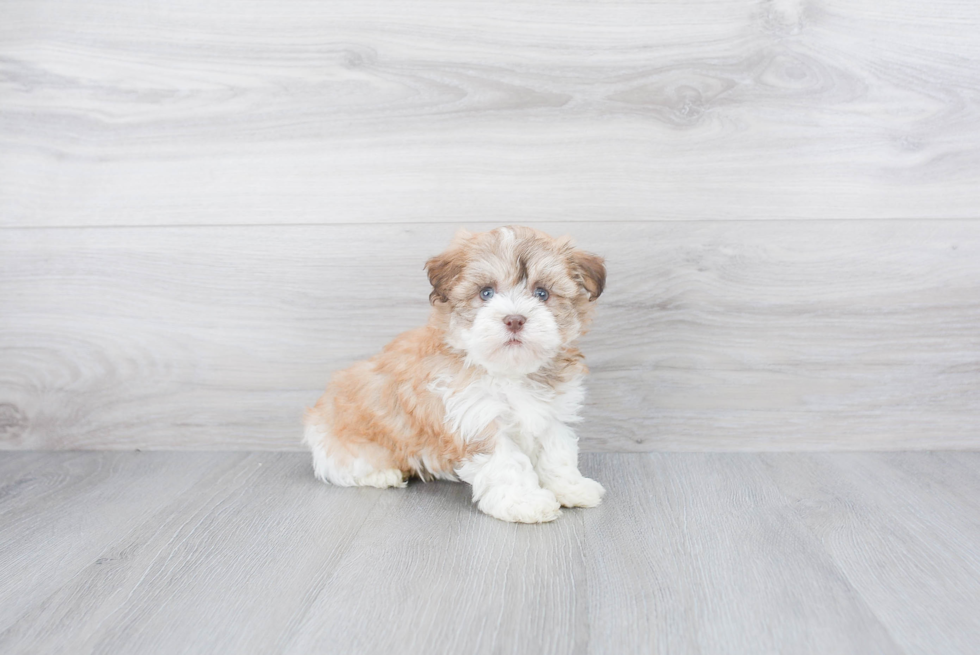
(443, 270)
(590, 271)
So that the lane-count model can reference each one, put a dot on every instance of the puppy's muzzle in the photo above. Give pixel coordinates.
(514, 322)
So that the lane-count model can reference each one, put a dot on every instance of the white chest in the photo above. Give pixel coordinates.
(519, 406)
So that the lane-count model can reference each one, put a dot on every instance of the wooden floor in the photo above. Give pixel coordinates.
(111, 552)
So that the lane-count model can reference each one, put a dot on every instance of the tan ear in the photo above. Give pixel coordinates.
(590, 271)
(443, 270)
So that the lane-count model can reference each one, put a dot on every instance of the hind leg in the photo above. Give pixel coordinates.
(351, 465)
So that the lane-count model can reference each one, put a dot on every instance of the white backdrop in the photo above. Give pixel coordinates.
(206, 207)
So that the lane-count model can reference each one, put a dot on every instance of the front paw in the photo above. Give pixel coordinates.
(521, 505)
(581, 492)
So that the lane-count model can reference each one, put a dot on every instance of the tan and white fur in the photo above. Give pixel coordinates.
(485, 392)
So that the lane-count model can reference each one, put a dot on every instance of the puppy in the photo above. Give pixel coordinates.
(485, 392)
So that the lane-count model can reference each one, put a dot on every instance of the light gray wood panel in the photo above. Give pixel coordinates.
(15, 468)
(877, 515)
(699, 553)
(29, 478)
(83, 501)
(439, 577)
(116, 113)
(235, 562)
(711, 335)
(689, 553)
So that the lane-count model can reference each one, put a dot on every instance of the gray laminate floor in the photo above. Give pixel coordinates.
(690, 553)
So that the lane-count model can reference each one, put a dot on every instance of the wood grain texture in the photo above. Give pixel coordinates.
(115, 113)
(874, 514)
(249, 545)
(58, 517)
(702, 554)
(689, 553)
(749, 335)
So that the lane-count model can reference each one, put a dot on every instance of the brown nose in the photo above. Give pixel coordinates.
(514, 322)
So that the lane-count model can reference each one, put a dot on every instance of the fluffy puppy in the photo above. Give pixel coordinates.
(483, 393)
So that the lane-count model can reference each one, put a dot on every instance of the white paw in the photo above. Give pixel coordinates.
(521, 505)
(382, 479)
(582, 492)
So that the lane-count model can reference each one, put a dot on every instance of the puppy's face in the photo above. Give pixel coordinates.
(514, 296)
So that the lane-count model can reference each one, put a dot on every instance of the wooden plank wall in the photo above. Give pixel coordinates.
(205, 207)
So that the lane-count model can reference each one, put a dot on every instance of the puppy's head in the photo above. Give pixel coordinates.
(512, 298)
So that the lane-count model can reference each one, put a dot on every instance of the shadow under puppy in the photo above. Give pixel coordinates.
(483, 393)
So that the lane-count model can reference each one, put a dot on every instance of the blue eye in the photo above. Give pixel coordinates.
(486, 293)
(541, 293)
